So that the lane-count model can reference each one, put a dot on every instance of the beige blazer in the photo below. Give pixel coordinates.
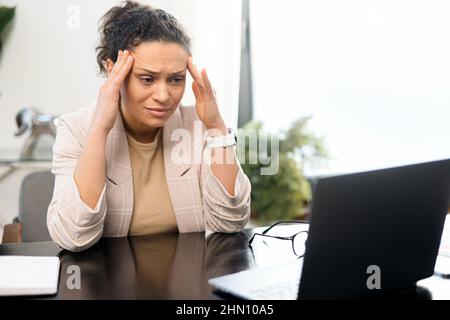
(199, 200)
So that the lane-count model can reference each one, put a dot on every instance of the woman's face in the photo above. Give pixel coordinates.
(155, 84)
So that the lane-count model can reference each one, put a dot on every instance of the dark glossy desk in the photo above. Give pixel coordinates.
(166, 267)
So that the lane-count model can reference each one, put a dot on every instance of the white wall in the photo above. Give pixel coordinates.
(48, 62)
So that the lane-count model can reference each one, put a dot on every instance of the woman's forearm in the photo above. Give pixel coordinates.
(224, 162)
(90, 172)
(225, 172)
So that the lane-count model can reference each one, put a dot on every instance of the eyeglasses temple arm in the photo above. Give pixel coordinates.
(265, 235)
(284, 221)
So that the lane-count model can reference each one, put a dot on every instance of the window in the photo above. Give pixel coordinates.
(375, 76)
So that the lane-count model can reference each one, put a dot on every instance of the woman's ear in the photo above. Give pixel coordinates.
(109, 64)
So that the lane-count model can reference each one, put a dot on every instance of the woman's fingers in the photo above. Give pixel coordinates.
(117, 63)
(122, 67)
(194, 72)
(201, 79)
(121, 59)
(196, 90)
(209, 91)
(127, 65)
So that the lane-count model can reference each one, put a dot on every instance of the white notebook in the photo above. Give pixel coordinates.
(442, 267)
(25, 275)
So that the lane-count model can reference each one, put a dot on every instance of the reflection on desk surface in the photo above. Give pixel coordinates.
(170, 266)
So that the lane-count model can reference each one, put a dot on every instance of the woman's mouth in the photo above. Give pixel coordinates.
(157, 111)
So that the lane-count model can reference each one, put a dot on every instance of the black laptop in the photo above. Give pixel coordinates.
(371, 233)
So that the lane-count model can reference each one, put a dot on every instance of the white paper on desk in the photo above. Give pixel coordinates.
(24, 275)
(444, 249)
(442, 266)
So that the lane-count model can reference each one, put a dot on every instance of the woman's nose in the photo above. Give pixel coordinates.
(161, 94)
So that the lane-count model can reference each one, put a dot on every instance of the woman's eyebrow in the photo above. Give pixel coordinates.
(155, 72)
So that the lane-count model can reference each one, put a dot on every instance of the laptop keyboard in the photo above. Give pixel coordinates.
(287, 290)
(278, 282)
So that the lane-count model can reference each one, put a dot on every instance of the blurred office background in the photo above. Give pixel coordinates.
(48, 61)
(359, 84)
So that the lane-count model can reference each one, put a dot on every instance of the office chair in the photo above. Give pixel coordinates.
(30, 225)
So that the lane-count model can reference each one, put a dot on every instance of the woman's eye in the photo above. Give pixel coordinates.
(178, 79)
(147, 80)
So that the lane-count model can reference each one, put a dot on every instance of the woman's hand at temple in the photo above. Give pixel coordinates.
(90, 171)
(206, 103)
(109, 93)
(224, 165)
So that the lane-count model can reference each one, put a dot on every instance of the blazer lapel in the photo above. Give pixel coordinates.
(181, 176)
(120, 187)
(118, 166)
(174, 167)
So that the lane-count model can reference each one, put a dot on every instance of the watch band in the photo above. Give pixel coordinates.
(224, 141)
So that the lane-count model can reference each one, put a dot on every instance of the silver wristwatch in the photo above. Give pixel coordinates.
(227, 140)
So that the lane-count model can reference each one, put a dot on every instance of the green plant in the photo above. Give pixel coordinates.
(282, 195)
(6, 15)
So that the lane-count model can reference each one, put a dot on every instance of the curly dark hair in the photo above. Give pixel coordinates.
(127, 25)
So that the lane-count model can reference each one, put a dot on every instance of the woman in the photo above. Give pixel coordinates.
(117, 166)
